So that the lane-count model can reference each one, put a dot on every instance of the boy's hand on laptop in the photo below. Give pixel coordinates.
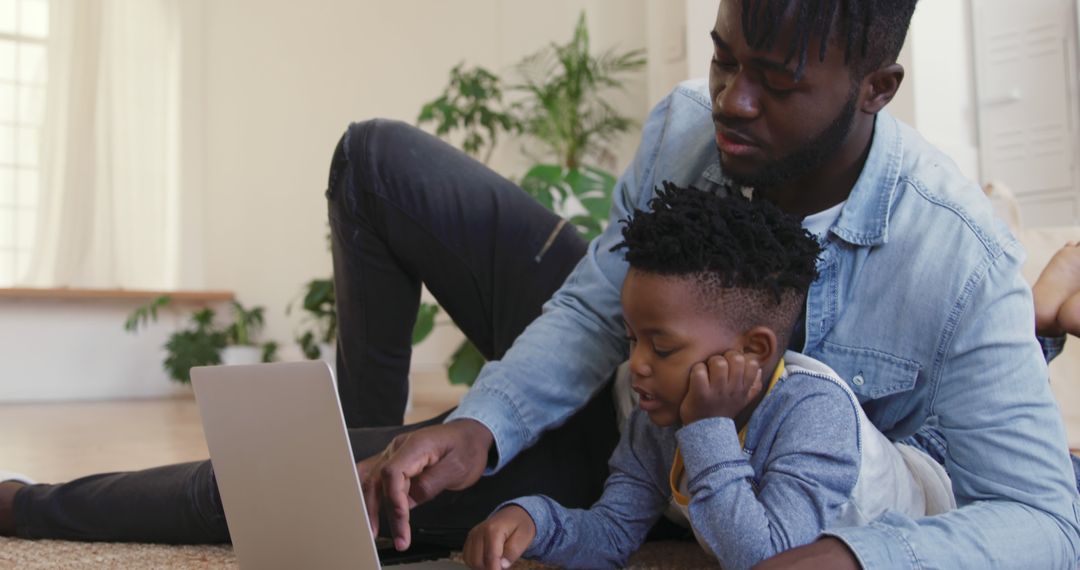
(721, 387)
(419, 465)
(499, 541)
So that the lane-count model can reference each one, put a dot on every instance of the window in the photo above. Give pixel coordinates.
(24, 29)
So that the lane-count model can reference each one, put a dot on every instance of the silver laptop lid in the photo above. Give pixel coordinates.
(284, 466)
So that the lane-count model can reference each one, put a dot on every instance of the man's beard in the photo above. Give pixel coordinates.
(803, 160)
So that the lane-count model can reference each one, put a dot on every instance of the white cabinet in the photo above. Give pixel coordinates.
(1026, 97)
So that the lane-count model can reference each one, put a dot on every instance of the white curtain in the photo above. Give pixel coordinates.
(109, 203)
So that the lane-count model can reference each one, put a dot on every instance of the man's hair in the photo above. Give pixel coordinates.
(872, 31)
(750, 261)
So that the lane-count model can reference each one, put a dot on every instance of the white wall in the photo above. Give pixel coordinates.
(283, 79)
(944, 80)
(700, 18)
(78, 350)
(666, 46)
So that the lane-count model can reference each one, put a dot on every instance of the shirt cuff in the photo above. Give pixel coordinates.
(707, 445)
(495, 411)
(877, 545)
(1051, 346)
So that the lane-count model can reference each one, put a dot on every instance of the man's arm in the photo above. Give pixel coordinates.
(551, 370)
(566, 354)
(1006, 454)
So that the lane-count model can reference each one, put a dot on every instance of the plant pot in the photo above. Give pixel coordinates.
(241, 355)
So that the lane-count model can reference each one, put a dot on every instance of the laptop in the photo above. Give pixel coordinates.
(285, 469)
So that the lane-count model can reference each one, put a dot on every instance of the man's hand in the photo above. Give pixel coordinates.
(417, 466)
(825, 553)
(498, 542)
(720, 387)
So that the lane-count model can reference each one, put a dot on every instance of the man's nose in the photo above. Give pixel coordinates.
(738, 98)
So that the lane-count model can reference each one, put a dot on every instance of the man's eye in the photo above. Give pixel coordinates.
(778, 85)
(724, 63)
(662, 353)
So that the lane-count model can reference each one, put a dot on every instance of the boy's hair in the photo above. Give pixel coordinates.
(871, 31)
(751, 262)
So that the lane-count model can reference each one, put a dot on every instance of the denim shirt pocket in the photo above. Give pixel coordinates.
(876, 378)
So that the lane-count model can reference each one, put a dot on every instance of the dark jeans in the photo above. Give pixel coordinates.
(405, 209)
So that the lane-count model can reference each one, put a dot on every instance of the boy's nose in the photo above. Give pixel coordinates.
(639, 365)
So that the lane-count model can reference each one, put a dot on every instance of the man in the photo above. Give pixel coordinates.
(920, 307)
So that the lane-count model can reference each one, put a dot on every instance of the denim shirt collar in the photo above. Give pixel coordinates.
(864, 219)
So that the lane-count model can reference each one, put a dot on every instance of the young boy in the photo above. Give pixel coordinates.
(759, 449)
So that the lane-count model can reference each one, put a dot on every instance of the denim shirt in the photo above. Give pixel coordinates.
(920, 307)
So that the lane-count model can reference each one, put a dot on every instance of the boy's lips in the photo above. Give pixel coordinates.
(646, 401)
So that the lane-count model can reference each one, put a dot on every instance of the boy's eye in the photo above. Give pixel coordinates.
(662, 353)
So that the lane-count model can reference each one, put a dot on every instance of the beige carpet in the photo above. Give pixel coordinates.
(35, 554)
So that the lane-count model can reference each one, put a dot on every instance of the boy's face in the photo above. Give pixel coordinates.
(670, 330)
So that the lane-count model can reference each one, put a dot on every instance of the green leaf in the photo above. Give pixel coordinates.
(319, 296)
(596, 199)
(465, 364)
(588, 227)
(471, 104)
(192, 348)
(146, 314)
(308, 345)
(269, 351)
(425, 322)
(544, 182)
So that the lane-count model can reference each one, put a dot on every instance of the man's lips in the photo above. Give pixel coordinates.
(732, 143)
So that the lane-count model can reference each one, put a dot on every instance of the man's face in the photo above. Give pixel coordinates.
(669, 332)
(772, 128)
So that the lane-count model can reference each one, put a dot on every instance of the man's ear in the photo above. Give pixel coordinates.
(879, 87)
(760, 343)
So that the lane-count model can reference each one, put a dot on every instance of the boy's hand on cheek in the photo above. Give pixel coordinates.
(721, 387)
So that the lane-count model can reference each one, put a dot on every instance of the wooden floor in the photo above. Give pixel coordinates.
(61, 441)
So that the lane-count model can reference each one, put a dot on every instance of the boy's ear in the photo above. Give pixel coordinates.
(760, 343)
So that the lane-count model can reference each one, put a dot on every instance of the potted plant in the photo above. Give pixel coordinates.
(202, 342)
(563, 117)
(240, 347)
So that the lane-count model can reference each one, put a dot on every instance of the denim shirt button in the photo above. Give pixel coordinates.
(858, 380)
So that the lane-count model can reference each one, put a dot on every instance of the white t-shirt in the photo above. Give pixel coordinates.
(819, 223)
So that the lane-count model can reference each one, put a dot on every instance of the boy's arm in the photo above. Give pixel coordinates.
(809, 473)
(611, 530)
(1006, 450)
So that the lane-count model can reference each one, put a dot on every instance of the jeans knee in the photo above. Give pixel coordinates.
(365, 151)
(206, 497)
